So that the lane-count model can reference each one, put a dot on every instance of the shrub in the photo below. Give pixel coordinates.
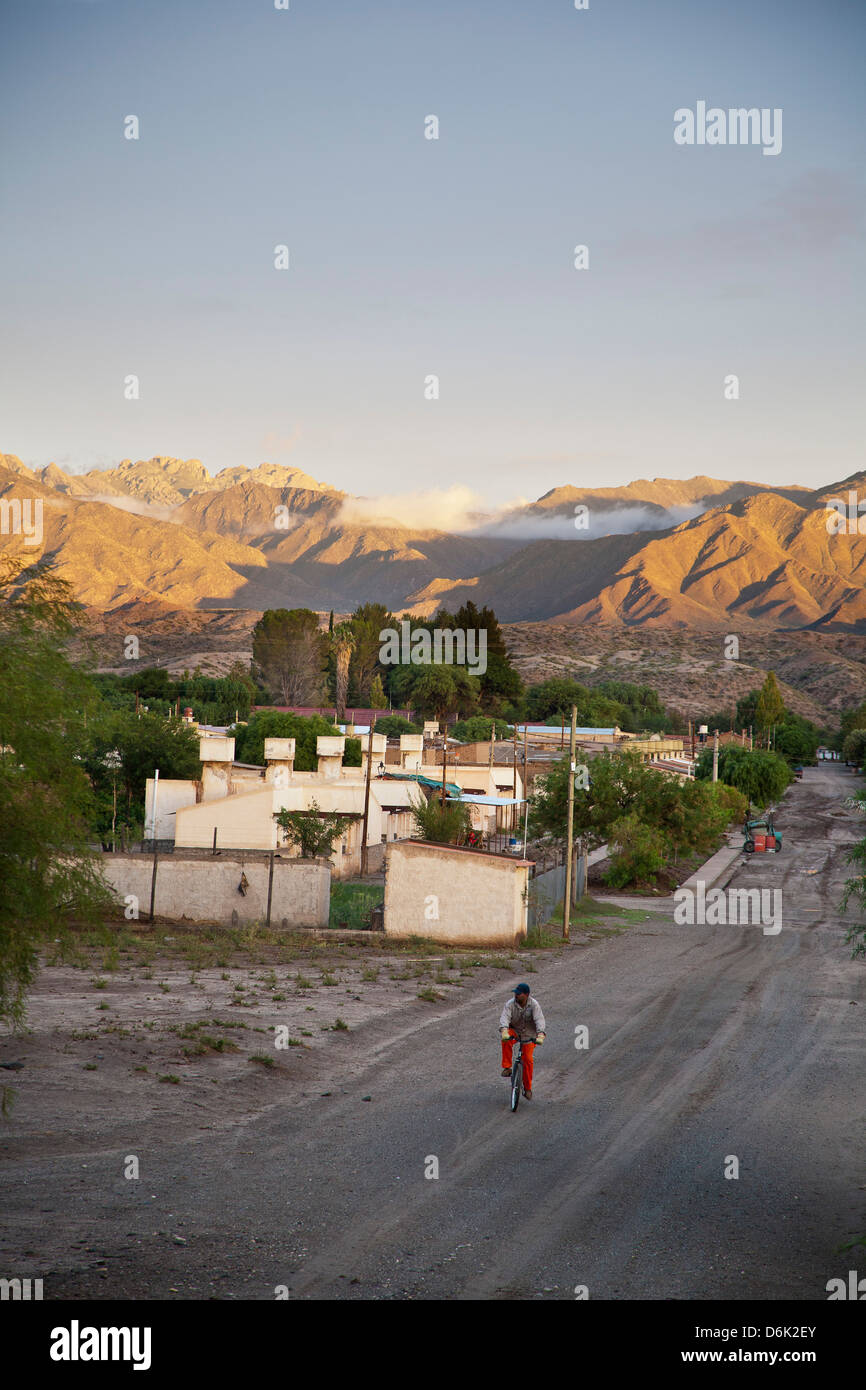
(444, 825)
(639, 852)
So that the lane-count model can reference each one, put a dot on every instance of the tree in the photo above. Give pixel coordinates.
(553, 699)
(759, 775)
(447, 824)
(854, 747)
(479, 728)
(289, 651)
(313, 831)
(641, 812)
(47, 868)
(644, 710)
(142, 743)
(303, 728)
(377, 696)
(770, 708)
(343, 642)
(438, 691)
(366, 623)
(796, 739)
(393, 725)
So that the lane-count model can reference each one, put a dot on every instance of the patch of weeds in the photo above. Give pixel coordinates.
(166, 989)
(170, 1078)
(305, 1033)
(90, 1066)
(100, 984)
(340, 1025)
(302, 982)
(278, 998)
(261, 1058)
(500, 963)
(328, 979)
(370, 973)
(103, 1005)
(141, 1068)
(430, 995)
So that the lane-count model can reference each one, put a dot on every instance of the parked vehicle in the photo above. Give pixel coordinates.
(761, 835)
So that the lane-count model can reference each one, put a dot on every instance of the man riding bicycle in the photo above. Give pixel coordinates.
(521, 1018)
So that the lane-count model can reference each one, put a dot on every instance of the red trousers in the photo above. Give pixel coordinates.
(528, 1052)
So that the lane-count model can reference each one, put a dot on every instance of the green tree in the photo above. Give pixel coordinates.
(759, 775)
(552, 700)
(854, 747)
(314, 832)
(479, 729)
(367, 622)
(770, 708)
(438, 691)
(47, 868)
(377, 696)
(443, 825)
(393, 725)
(303, 728)
(797, 739)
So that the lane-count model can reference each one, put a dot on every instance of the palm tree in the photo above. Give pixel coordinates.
(343, 642)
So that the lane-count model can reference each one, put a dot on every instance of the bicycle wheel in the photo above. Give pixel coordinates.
(516, 1082)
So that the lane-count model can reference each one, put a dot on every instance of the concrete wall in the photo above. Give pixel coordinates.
(172, 796)
(202, 888)
(454, 895)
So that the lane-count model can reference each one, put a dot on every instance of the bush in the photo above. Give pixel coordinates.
(760, 776)
(478, 729)
(394, 725)
(312, 832)
(639, 852)
(444, 825)
(304, 729)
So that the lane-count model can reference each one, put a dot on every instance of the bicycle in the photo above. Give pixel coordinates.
(517, 1072)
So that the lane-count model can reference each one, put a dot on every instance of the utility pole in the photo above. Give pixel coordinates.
(444, 762)
(514, 778)
(716, 755)
(492, 744)
(367, 794)
(566, 901)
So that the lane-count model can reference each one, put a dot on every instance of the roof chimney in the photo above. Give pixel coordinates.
(330, 750)
(280, 760)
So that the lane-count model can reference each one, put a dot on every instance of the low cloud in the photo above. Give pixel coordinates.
(455, 509)
(460, 511)
(155, 511)
(618, 521)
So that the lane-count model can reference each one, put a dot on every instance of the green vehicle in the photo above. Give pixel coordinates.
(761, 835)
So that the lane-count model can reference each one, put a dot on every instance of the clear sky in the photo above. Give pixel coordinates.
(454, 256)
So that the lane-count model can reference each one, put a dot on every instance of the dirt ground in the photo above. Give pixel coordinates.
(172, 1030)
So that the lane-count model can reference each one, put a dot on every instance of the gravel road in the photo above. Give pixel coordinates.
(705, 1043)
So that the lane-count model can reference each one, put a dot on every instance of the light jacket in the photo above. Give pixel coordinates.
(527, 1023)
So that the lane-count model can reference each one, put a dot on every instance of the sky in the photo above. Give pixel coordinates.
(412, 257)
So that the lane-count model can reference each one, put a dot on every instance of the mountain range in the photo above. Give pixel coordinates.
(164, 534)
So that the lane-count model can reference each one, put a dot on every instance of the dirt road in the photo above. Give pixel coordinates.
(706, 1044)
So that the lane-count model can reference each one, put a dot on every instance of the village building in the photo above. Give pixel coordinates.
(233, 806)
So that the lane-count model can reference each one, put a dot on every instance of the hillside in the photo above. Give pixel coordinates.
(165, 531)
